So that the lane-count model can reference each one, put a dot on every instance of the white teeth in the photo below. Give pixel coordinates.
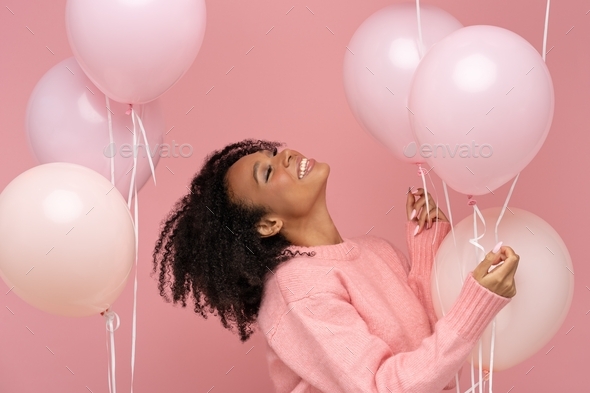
(302, 167)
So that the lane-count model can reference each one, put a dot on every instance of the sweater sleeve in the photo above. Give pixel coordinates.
(325, 341)
(422, 249)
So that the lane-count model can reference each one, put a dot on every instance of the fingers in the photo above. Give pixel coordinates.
(508, 268)
(504, 270)
(410, 201)
(412, 204)
(422, 213)
(482, 268)
(418, 211)
(426, 218)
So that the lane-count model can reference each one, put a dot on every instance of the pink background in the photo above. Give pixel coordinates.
(288, 88)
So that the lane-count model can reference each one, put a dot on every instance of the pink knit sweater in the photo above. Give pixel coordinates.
(358, 317)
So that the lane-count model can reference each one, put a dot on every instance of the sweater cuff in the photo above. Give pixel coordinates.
(423, 246)
(474, 309)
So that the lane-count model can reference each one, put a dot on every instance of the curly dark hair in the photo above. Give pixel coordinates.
(210, 244)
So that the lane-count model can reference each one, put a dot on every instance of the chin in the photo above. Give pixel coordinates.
(326, 168)
(322, 166)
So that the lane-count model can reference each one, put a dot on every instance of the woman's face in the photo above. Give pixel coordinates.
(273, 181)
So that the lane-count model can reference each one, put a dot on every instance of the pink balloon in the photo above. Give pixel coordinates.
(67, 120)
(481, 104)
(544, 282)
(135, 50)
(67, 239)
(378, 66)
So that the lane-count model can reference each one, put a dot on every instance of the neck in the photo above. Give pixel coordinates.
(315, 229)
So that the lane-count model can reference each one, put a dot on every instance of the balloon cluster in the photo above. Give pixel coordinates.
(68, 239)
(476, 103)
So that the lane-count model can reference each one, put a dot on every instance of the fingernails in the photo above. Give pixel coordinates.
(415, 191)
(416, 230)
(497, 248)
(413, 214)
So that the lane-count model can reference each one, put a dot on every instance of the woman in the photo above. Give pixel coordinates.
(253, 242)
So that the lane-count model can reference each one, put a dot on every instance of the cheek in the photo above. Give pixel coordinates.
(287, 194)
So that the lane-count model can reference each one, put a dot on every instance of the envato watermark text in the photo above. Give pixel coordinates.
(126, 150)
(464, 150)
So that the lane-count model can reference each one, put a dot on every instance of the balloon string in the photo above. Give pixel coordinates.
(147, 147)
(474, 241)
(461, 268)
(132, 186)
(449, 210)
(134, 160)
(421, 173)
(480, 367)
(473, 385)
(109, 362)
(420, 42)
(505, 204)
(133, 334)
(136, 229)
(109, 316)
(112, 148)
(492, 353)
(546, 28)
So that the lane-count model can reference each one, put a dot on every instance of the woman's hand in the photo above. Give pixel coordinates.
(416, 209)
(500, 279)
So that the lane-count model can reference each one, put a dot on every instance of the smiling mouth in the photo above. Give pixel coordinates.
(305, 167)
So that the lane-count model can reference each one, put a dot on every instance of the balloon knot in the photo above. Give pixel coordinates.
(128, 111)
(421, 170)
(470, 201)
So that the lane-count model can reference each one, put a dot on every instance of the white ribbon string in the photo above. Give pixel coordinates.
(476, 238)
(109, 316)
(136, 228)
(491, 371)
(475, 242)
(505, 205)
(472, 388)
(492, 353)
(480, 367)
(421, 173)
(450, 213)
(112, 148)
(420, 41)
(473, 385)
(461, 268)
(147, 146)
(545, 32)
(134, 161)
(132, 187)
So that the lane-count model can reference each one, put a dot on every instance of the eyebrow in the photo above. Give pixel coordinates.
(256, 165)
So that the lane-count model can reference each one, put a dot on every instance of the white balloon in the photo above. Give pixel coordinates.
(544, 282)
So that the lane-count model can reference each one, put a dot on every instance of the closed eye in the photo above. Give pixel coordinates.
(274, 153)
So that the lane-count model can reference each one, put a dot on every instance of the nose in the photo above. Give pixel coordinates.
(287, 157)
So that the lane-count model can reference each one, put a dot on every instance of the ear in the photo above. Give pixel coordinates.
(269, 226)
